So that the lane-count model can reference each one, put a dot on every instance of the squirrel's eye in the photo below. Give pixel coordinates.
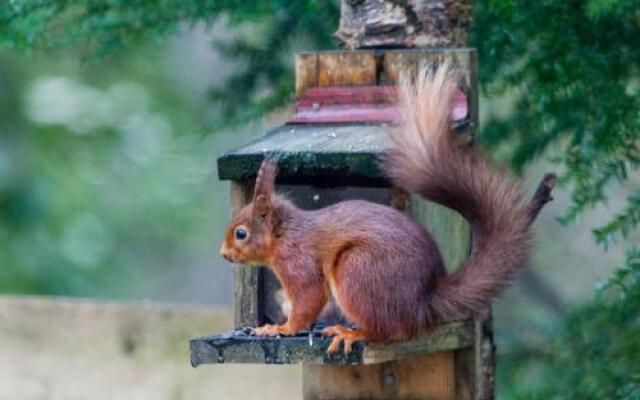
(241, 233)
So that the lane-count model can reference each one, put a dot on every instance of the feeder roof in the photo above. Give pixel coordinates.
(332, 154)
(322, 151)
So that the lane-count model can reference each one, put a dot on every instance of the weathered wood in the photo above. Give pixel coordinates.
(349, 95)
(310, 348)
(338, 104)
(404, 23)
(430, 376)
(306, 72)
(363, 104)
(396, 62)
(450, 231)
(361, 113)
(347, 69)
(464, 365)
(342, 68)
(484, 388)
(247, 301)
(448, 336)
(336, 154)
(343, 153)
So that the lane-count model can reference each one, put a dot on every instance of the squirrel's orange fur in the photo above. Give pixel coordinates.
(383, 269)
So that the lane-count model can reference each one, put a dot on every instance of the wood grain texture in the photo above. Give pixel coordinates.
(342, 68)
(429, 376)
(448, 228)
(306, 65)
(484, 352)
(396, 61)
(464, 366)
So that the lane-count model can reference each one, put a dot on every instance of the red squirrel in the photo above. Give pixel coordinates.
(384, 269)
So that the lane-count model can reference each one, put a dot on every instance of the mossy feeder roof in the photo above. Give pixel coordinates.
(320, 153)
(344, 152)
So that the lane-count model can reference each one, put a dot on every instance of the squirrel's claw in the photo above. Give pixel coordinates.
(341, 334)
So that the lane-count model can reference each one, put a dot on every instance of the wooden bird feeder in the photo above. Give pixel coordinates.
(327, 152)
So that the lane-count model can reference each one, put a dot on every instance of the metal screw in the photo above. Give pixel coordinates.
(388, 378)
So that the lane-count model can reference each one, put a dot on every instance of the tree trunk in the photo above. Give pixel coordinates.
(404, 23)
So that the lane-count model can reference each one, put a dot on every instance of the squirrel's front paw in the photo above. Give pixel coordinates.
(273, 330)
(267, 330)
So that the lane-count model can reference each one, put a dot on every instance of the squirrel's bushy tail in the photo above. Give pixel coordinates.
(426, 158)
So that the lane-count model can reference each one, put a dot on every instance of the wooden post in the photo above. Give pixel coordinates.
(246, 292)
(404, 23)
(462, 374)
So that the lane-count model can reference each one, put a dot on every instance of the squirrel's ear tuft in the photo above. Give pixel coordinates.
(261, 206)
(265, 187)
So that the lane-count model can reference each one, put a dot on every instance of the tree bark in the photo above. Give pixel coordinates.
(404, 23)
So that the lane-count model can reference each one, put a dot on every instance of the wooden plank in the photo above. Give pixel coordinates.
(306, 72)
(453, 335)
(310, 348)
(361, 104)
(428, 376)
(247, 302)
(348, 104)
(450, 231)
(465, 362)
(346, 113)
(484, 351)
(342, 68)
(342, 153)
(383, 94)
(289, 139)
(409, 60)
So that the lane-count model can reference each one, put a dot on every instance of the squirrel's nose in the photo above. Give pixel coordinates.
(224, 253)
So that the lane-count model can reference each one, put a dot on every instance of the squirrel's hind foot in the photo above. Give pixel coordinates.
(342, 334)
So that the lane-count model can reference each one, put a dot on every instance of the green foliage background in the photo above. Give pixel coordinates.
(571, 72)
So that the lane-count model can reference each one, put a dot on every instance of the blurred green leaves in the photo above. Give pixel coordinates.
(575, 68)
(572, 69)
(266, 32)
(103, 180)
(593, 356)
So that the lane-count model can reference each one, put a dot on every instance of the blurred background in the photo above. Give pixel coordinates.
(112, 116)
